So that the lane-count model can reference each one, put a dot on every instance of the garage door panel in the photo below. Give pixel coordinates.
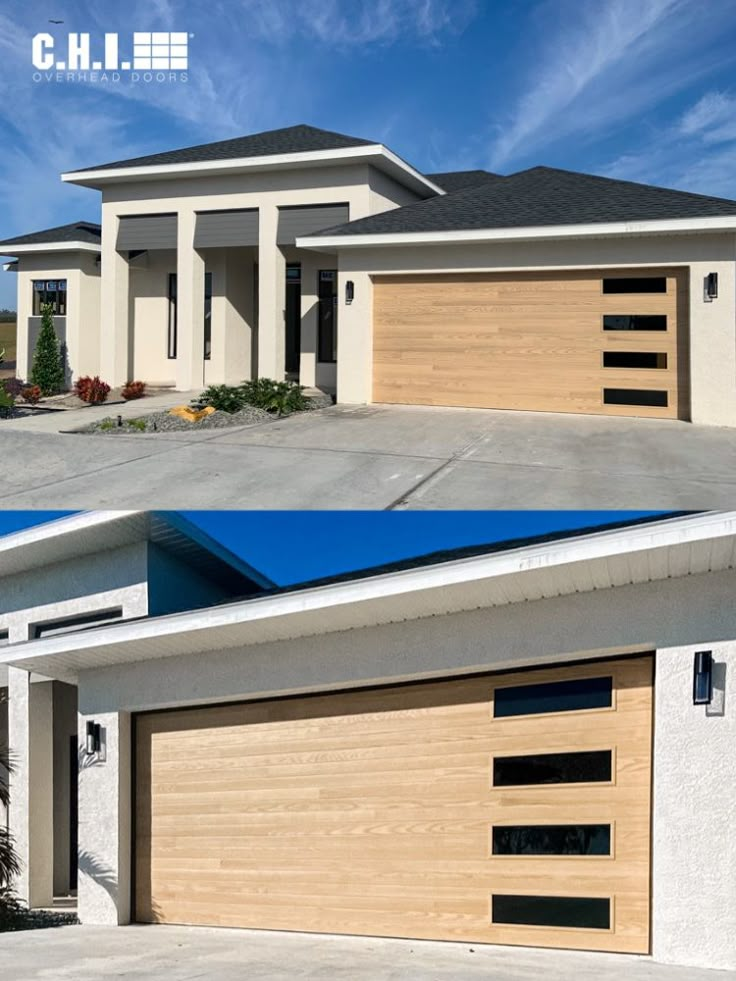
(526, 341)
(372, 812)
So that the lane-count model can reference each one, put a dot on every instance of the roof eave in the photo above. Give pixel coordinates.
(8, 248)
(377, 154)
(661, 550)
(663, 226)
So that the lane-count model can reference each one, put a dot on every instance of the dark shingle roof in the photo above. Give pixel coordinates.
(78, 231)
(540, 196)
(291, 139)
(458, 180)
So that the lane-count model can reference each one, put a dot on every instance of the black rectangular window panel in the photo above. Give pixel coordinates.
(646, 321)
(634, 359)
(4, 638)
(171, 337)
(553, 696)
(51, 291)
(68, 625)
(634, 396)
(552, 839)
(553, 911)
(588, 766)
(207, 316)
(635, 284)
(327, 292)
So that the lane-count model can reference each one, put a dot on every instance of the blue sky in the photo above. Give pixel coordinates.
(295, 546)
(638, 89)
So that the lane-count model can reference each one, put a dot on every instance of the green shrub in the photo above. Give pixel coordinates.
(225, 398)
(139, 424)
(48, 363)
(281, 398)
(7, 403)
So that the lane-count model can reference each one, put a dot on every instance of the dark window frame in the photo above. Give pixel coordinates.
(56, 297)
(532, 759)
(208, 290)
(646, 398)
(635, 317)
(630, 280)
(660, 360)
(597, 905)
(324, 346)
(499, 830)
(561, 686)
(172, 336)
(76, 621)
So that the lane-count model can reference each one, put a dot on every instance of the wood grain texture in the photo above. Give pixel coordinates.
(371, 812)
(524, 341)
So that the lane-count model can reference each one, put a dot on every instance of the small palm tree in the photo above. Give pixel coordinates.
(9, 864)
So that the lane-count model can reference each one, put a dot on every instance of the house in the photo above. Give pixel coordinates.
(327, 259)
(523, 743)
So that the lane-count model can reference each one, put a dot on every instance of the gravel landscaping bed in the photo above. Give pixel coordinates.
(164, 422)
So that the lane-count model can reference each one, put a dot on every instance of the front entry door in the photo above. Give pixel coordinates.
(293, 317)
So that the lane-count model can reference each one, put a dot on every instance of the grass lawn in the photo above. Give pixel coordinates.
(7, 340)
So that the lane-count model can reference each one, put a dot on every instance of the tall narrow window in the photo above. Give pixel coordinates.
(172, 338)
(207, 316)
(51, 291)
(327, 292)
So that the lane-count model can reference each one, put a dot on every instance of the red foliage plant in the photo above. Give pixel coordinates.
(91, 390)
(31, 394)
(133, 390)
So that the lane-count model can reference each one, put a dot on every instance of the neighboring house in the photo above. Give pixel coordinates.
(329, 260)
(496, 744)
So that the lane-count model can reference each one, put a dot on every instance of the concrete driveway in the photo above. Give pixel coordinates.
(76, 953)
(379, 457)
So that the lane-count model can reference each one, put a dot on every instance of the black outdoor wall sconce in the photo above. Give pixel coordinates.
(349, 291)
(703, 678)
(711, 287)
(94, 738)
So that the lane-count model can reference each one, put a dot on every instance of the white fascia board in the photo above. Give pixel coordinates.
(279, 161)
(592, 230)
(49, 530)
(548, 555)
(11, 249)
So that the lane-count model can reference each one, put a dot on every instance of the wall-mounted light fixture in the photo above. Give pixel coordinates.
(94, 738)
(703, 678)
(349, 291)
(711, 287)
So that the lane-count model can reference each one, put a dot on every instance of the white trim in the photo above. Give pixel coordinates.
(549, 556)
(598, 230)
(10, 249)
(274, 161)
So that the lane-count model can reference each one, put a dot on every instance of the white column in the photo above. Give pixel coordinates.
(271, 297)
(31, 815)
(355, 338)
(189, 307)
(115, 318)
(24, 308)
(105, 824)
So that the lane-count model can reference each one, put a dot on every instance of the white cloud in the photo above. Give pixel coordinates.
(695, 153)
(600, 65)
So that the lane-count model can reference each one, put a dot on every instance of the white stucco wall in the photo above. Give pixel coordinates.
(82, 274)
(712, 325)
(672, 617)
(104, 824)
(149, 312)
(694, 811)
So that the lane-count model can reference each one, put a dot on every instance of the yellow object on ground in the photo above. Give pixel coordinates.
(191, 415)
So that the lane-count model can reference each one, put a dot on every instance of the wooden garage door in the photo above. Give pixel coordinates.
(596, 341)
(509, 809)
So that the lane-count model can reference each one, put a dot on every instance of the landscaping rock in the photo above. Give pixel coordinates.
(164, 422)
